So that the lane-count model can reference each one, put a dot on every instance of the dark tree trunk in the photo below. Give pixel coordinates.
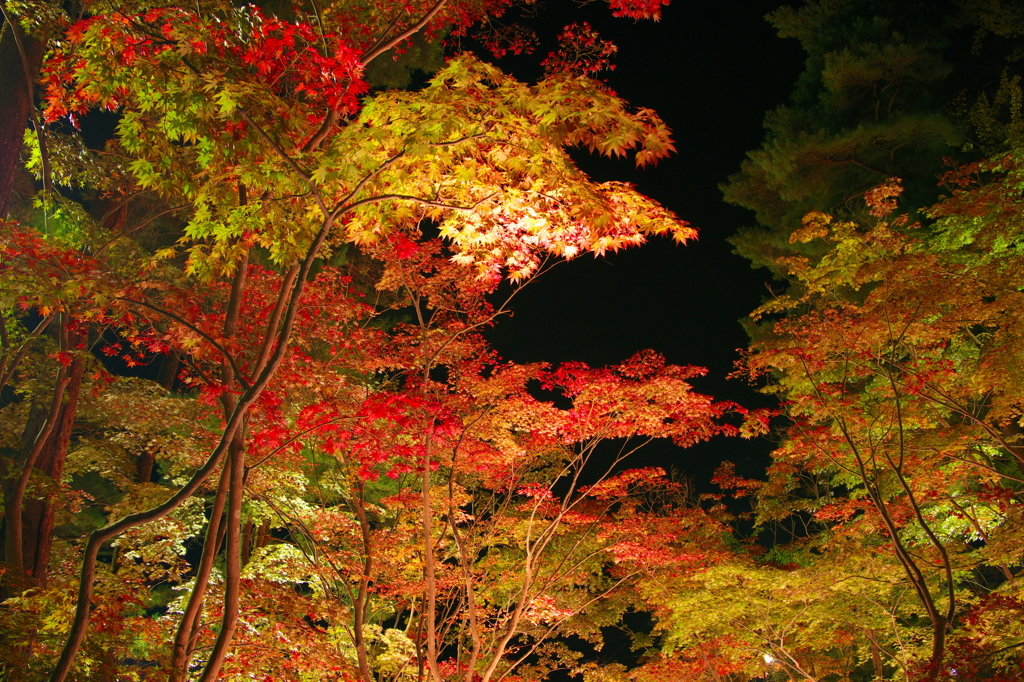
(169, 366)
(144, 466)
(246, 542)
(15, 102)
(29, 514)
(38, 513)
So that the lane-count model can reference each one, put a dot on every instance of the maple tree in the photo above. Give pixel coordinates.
(335, 477)
(897, 363)
(392, 500)
(893, 495)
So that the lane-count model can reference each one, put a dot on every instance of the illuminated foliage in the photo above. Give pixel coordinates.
(335, 449)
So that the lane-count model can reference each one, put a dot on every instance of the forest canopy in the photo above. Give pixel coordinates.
(252, 426)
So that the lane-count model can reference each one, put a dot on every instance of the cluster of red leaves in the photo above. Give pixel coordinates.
(709, 659)
(638, 9)
(47, 277)
(386, 431)
(503, 40)
(41, 273)
(622, 484)
(642, 396)
(289, 53)
(292, 59)
(725, 478)
(581, 52)
(656, 542)
(985, 189)
(882, 200)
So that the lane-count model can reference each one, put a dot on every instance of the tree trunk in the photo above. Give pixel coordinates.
(169, 366)
(232, 562)
(144, 466)
(38, 514)
(44, 442)
(876, 657)
(247, 542)
(17, 80)
(188, 628)
(938, 649)
(362, 596)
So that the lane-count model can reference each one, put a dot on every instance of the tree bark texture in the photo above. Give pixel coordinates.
(38, 513)
(16, 103)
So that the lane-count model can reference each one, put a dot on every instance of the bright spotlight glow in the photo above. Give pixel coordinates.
(769, 659)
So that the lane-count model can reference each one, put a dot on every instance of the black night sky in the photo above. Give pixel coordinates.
(711, 70)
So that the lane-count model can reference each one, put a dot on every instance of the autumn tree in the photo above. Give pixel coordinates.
(897, 363)
(896, 481)
(442, 525)
(256, 139)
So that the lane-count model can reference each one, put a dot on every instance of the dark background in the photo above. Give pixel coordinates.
(712, 71)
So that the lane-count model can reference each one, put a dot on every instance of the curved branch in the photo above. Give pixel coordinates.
(223, 351)
(285, 156)
(330, 120)
(407, 197)
(85, 590)
(83, 608)
(369, 176)
(384, 45)
(287, 283)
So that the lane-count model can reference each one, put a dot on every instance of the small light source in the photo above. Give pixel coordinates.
(769, 659)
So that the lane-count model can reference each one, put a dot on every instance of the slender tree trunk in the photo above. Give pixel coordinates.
(263, 537)
(232, 564)
(359, 606)
(188, 627)
(938, 648)
(247, 529)
(36, 439)
(144, 466)
(430, 610)
(38, 513)
(876, 656)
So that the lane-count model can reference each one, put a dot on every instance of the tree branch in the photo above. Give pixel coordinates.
(223, 351)
(385, 44)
